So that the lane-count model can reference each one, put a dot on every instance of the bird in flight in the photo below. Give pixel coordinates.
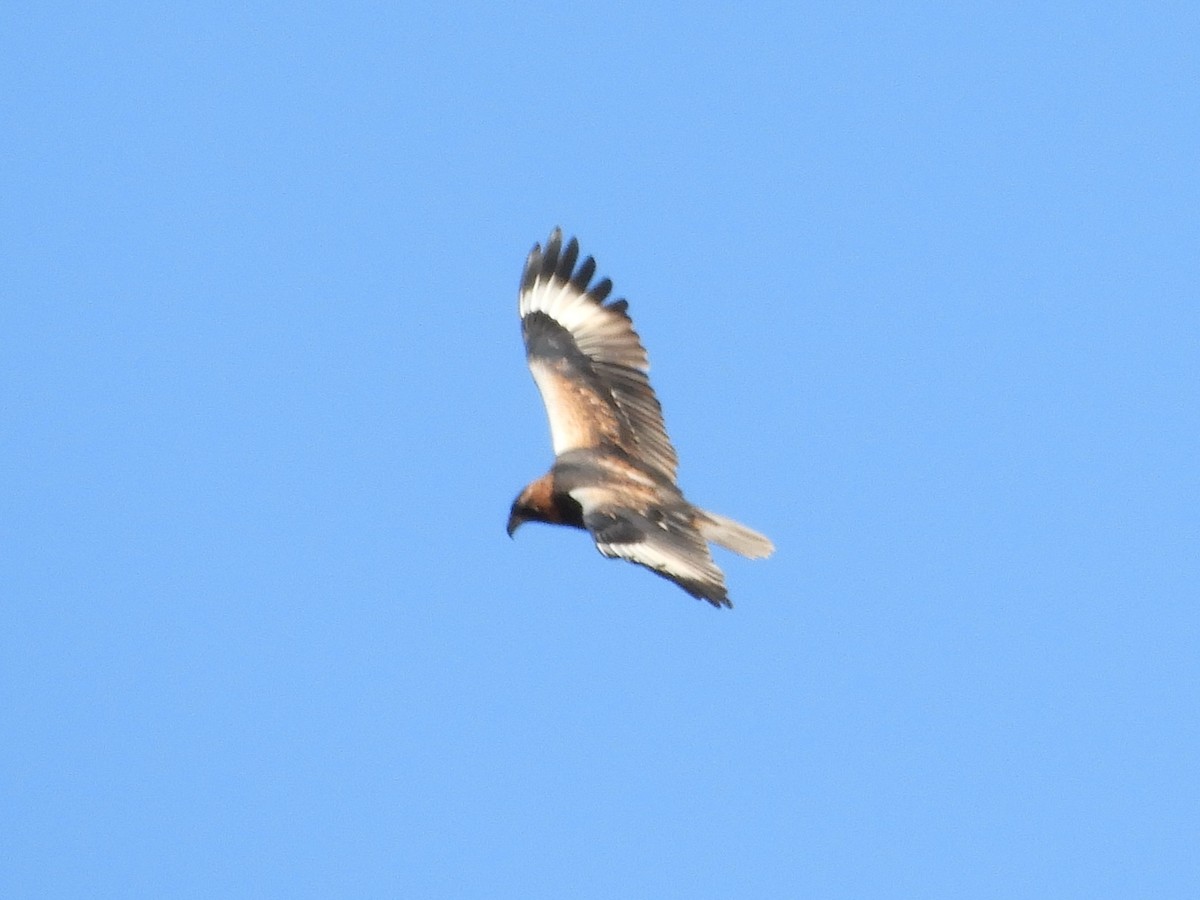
(614, 468)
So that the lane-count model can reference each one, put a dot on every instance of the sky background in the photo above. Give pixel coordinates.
(919, 287)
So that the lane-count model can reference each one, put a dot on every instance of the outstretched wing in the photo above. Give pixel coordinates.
(587, 360)
(663, 538)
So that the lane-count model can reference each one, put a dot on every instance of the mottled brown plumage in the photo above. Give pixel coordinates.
(614, 468)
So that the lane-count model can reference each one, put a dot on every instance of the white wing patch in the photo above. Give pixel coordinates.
(671, 547)
(688, 571)
(601, 333)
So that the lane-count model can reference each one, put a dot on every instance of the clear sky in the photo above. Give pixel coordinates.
(919, 287)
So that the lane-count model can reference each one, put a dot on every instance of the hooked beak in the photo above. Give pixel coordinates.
(515, 520)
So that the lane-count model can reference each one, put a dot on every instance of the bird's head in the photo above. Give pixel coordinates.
(532, 504)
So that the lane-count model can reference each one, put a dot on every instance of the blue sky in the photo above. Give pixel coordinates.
(919, 287)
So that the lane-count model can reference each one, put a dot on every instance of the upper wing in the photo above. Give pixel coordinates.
(663, 538)
(587, 360)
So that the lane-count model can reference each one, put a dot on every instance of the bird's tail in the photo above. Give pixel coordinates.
(733, 535)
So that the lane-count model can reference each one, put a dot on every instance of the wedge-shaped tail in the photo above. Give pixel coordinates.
(733, 535)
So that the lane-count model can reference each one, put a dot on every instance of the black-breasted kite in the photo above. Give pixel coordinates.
(614, 467)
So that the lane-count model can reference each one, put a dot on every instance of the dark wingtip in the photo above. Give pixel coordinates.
(719, 600)
(558, 261)
(584, 274)
(542, 261)
(566, 262)
(553, 247)
(533, 267)
(601, 291)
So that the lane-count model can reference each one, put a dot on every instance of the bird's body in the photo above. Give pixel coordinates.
(614, 469)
